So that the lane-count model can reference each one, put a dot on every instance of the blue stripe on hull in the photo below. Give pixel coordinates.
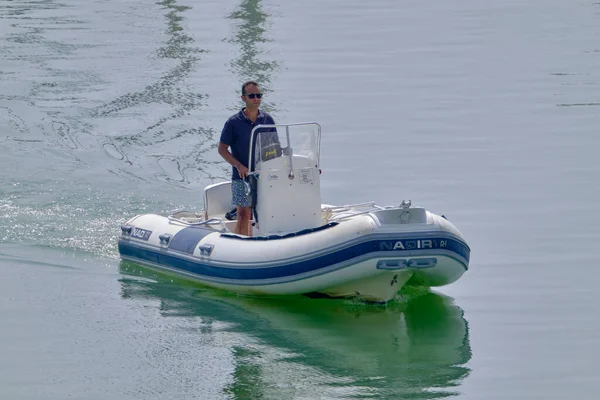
(130, 250)
(186, 239)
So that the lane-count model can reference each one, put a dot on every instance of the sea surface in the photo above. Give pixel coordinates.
(486, 112)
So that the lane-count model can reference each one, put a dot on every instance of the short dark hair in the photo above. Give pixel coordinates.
(246, 84)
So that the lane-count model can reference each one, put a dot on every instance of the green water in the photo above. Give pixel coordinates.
(486, 112)
(418, 342)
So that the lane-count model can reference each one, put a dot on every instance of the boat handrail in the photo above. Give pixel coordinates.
(211, 221)
(352, 215)
(340, 213)
(350, 206)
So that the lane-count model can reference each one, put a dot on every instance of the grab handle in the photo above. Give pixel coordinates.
(422, 262)
(400, 263)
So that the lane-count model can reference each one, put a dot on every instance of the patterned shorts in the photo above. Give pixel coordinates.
(238, 194)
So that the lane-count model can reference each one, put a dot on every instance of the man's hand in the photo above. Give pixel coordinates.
(242, 171)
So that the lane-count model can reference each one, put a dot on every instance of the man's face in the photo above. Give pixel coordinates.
(252, 91)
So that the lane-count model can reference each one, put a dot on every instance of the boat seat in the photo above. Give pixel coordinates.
(217, 200)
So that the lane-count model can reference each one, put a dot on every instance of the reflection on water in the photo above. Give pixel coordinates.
(176, 151)
(74, 85)
(251, 26)
(180, 47)
(60, 72)
(415, 347)
(38, 80)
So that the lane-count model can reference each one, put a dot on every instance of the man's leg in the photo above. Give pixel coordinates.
(242, 227)
(243, 203)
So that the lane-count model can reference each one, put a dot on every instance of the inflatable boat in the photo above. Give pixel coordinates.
(298, 245)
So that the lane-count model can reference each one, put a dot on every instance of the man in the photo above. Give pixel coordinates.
(236, 135)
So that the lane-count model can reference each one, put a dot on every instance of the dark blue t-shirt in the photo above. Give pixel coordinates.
(236, 134)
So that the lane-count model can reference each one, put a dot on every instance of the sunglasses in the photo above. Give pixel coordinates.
(253, 95)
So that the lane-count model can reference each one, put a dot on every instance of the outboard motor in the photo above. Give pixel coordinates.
(286, 187)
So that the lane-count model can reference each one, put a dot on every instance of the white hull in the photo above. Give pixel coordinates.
(363, 254)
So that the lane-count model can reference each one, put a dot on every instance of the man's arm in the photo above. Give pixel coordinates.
(226, 154)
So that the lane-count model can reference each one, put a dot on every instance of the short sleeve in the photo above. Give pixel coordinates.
(227, 133)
